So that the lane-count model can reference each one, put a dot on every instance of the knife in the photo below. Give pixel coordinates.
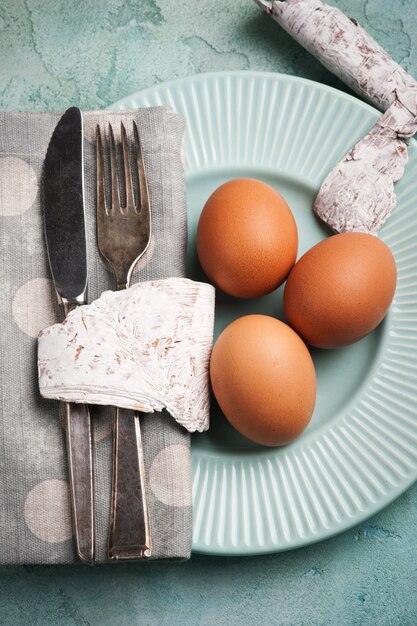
(63, 204)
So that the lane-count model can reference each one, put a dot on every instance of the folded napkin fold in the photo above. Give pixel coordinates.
(35, 519)
(146, 348)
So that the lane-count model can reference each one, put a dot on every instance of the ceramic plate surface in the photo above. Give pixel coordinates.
(359, 451)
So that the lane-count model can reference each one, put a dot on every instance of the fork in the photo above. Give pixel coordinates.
(123, 232)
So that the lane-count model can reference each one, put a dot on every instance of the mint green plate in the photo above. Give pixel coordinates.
(359, 451)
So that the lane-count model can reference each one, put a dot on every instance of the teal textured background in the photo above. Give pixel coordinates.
(55, 53)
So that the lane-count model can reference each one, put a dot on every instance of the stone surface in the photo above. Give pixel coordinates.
(60, 52)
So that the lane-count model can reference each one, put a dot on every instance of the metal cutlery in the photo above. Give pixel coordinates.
(63, 203)
(123, 232)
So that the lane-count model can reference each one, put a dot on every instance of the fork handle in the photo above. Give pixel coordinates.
(129, 536)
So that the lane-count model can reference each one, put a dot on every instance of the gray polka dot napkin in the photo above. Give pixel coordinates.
(35, 520)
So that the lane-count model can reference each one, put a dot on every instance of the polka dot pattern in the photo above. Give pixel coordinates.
(47, 511)
(34, 306)
(37, 506)
(18, 186)
(170, 476)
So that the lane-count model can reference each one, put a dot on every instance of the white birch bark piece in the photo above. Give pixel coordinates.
(359, 193)
(145, 348)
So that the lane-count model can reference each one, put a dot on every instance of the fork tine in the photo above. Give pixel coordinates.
(101, 193)
(126, 164)
(143, 199)
(115, 189)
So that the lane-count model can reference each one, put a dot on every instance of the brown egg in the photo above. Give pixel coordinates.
(264, 380)
(340, 290)
(247, 238)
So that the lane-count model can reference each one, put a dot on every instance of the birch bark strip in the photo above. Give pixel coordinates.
(144, 348)
(358, 195)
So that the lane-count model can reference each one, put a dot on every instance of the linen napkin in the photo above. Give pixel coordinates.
(35, 517)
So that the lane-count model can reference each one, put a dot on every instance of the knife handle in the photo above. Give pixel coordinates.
(129, 536)
(80, 461)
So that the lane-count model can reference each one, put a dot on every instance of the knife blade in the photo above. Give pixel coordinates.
(64, 225)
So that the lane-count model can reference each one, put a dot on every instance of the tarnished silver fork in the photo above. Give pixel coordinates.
(123, 232)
